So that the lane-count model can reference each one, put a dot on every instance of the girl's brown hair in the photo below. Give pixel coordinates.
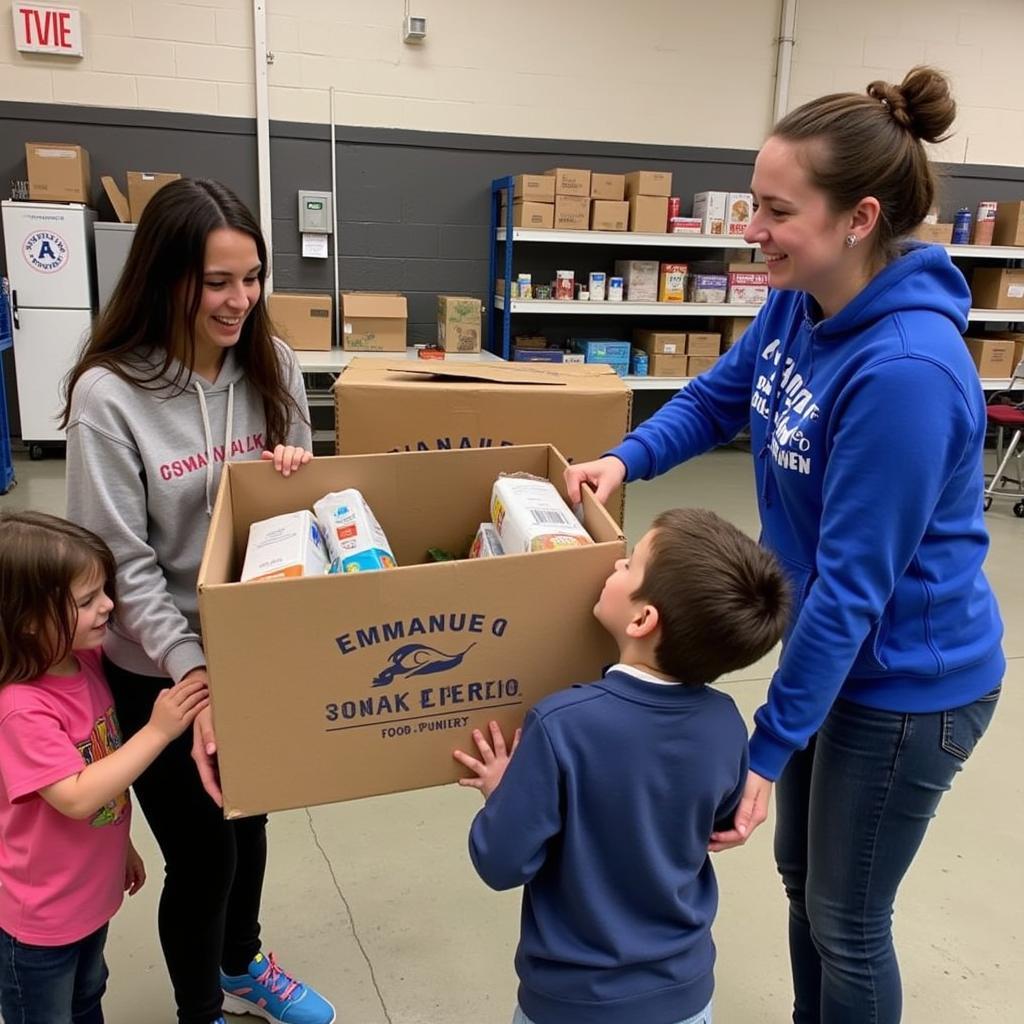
(41, 558)
(871, 146)
(157, 298)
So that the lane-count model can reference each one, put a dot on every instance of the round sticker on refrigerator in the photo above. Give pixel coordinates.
(45, 251)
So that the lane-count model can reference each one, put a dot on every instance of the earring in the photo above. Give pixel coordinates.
(851, 241)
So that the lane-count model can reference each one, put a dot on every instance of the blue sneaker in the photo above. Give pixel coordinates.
(268, 991)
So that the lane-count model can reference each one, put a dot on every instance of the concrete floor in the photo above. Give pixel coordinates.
(376, 903)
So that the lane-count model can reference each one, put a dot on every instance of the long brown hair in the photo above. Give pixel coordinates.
(722, 599)
(41, 558)
(157, 298)
(871, 146)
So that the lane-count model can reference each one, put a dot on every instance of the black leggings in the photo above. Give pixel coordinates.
(210, 904)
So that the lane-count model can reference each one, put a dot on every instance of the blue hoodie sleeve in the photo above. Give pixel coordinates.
(709, 411)
(509, 836)
(902, 429)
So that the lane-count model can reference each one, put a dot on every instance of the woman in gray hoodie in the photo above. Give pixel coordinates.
(181, 374)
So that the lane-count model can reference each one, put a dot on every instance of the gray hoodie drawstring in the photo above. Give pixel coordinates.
(209, 438)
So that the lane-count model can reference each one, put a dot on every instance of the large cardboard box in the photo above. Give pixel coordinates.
(732, 328)
(527, 214)
(1017, 337)
(536, 188)
(458, 323)
(937, 234)
(57, 172)
(648, 214)
(373, 321)
(656, 343)
(142, 186)
(609, 215)
(302, 320)
(608, 186)
(582, 410)
(1009, 229)
(992, 356)
(667, 364)
(570, 181)
(649, 183)
(696, 365)
(572, 213)
(703, 344)
(997, 288)
(337, 687)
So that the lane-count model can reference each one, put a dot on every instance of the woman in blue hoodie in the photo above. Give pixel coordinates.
(867, 425)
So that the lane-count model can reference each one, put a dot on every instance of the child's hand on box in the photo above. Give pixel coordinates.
(495, 759)
(287, 458)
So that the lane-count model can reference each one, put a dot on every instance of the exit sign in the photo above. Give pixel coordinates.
(42, 28)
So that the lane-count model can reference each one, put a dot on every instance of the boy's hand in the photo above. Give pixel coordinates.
(175, 708)
(495, 758)
(751, 812)
(287, 458)
(134, 872)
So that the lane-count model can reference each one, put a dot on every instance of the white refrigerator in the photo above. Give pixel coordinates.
(50, 263)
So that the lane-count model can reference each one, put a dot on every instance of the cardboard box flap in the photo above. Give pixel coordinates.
(116, 197)
(588, 377)
(373, 304)
(484, 372)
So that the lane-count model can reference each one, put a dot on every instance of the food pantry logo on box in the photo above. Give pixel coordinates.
(45, 251)
(403, 712)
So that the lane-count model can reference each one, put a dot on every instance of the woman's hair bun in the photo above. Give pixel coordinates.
(921, 103)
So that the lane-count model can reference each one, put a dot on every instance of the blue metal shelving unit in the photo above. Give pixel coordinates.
(499, 321)
(6, 341)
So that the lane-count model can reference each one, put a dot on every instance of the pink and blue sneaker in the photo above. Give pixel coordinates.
(268, 991)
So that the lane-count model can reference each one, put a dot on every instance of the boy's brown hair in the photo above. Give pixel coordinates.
(41, 557)
(722, 599)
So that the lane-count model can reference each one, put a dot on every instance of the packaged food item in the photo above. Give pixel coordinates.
(748, 284)
(672, 282)
(673, 207)
(542, 292)
(286, 545)
(596, 285)
(685, 225)
(428, 352)
(640, 278)
(525, 286)
(573, 357)
(739, 208)
(708, 287)
(985, 223)
(962, 227)
(638, 364)
(565, 281)
(530, 515)
(615, 289)
(486, 543)
(710, 209)
(355, 540)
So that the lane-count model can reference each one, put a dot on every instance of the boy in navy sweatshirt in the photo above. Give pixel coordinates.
(605, 811)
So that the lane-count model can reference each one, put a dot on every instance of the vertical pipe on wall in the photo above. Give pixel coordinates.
(337, 229)
(784, 59)
(260, 59)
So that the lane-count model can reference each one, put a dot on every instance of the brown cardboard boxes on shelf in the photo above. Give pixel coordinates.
(458, 323)
(1017, 337)
(648, 214)
(373, 321)
(1009, 229)
(938, 234)
(302, 320)
(572, 213)
(665, 364)
(142, 186)
(696, 365)
(732, 328)
(570, 181)
(708, 344)
(353, 712)
(57, 172)
(997, 288)
(992, 356)
(608, 186)
(526, 214)
(656, 343)
(609, 215)
(583, 410)
(649, 183)
(536, 188)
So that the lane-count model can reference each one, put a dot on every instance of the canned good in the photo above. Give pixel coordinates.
(985, 223)
(962, 227)
(639, 367)
(673, 206)
(615, 289)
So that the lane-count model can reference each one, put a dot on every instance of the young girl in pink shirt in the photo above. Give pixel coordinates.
(65, 854)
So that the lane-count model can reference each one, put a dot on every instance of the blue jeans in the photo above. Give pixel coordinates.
(852, 810)
(704, 1017)
(53, 984)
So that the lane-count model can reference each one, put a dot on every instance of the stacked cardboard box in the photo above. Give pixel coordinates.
(609, 210)
(572, 198)
(533, 202)
(648, 193)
